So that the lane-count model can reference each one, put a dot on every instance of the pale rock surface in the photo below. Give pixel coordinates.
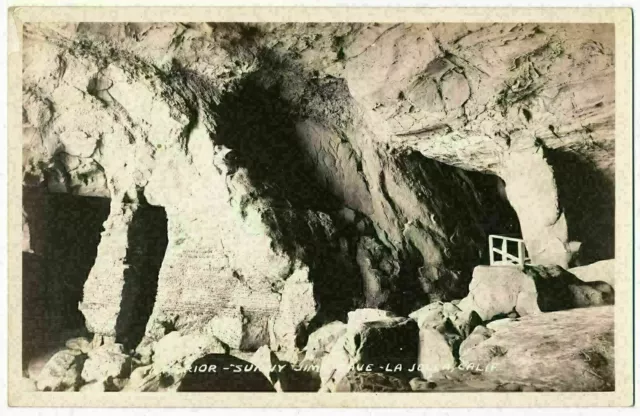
(500, 290)
(434, 354)
(144, 379)
(535, 349)
(361, 316)
(602, 271)
(500, 323)
(80, 344)
(322, 340)
(479, 334)
(297, 308)
(266, 360)
(497, 291)
(174, 353)
(278, 372)
(532, 191)
(62, 372)
(106, 361)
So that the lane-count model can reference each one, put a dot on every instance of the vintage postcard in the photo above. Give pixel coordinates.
(279, 207)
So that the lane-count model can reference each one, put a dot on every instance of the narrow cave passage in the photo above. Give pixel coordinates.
(499, 217)
(147, 243)
(64, 232)
(587, 197)
(259, 125)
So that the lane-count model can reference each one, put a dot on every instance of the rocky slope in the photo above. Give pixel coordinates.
(308, 170)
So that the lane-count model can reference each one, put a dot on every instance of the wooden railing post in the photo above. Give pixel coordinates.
(491, 261)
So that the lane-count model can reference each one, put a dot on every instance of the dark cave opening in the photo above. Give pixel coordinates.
(587, 197)
(499, 217)
(147, 243)
(64, 235)
(259, 126)
(472, 203)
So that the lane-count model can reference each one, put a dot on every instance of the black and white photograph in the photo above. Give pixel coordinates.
(319, 207)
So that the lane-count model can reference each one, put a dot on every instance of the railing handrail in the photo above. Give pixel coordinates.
(503, 251)
(502, 237)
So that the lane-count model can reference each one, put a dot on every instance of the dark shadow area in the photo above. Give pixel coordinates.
(147, 242)
(499, 217)
(64, 232)
(587, 197)
(468, 206)
(259, 126)
(559, 290)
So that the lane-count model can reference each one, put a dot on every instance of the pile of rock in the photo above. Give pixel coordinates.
(496, 338)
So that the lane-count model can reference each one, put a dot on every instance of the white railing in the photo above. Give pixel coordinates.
(508, 253)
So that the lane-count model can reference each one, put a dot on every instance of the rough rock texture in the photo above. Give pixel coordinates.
(479, 334)
(62, 372)
(435, 354)
(174, 353)
(356, 381)
(322, 340)
(538, 350)
(371, 343)
(499, 291)
(105, 362)
(496, 291)
(306, 170)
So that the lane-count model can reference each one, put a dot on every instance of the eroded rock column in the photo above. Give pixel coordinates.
(532, 191)
(105, 298)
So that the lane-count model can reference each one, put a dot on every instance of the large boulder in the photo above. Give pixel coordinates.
(500, 290)
(174, 353)
(322, 340)
(558, 289)
(497, 291)
(435, 353)
(106, 361)
(62, 372)
(443, 316)
(371, 345)
(569, 350)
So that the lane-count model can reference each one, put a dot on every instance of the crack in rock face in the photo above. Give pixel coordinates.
(291, 173)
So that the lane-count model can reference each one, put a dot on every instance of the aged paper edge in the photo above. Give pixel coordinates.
(621, 17)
